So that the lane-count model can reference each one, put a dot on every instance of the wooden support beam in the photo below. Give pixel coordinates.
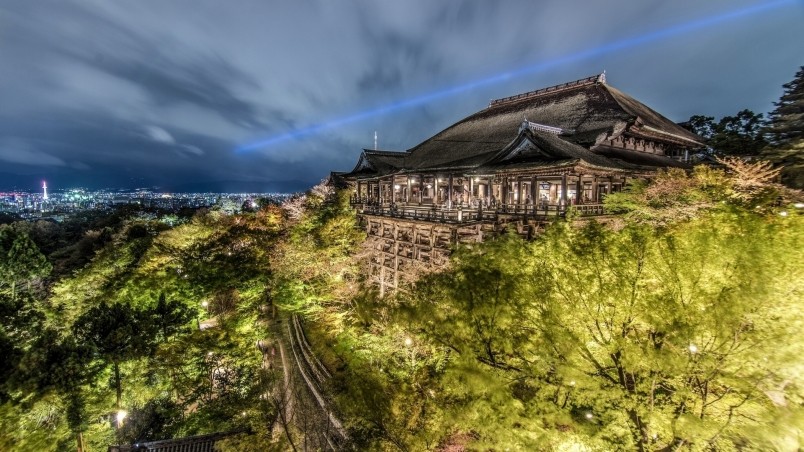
(421, 189)
(449, 192)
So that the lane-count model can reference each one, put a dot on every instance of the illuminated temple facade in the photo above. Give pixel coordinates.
(517, 163)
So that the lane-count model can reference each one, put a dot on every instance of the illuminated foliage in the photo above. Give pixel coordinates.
(123, 331)
(637, 337)
(20, 261)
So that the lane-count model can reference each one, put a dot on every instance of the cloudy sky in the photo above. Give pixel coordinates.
(180, 93)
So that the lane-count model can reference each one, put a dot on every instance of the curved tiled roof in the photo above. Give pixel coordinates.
(378, 162)
(586, 110)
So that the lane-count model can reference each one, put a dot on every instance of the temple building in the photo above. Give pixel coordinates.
(521, 161)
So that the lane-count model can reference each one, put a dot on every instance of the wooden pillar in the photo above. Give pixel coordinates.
(519, 191)
(471, 189)
(396, 256)
(449, 192)
(393, 189)
(578, 190)
(407, 193)
(421, 189)
(504, 190)
(563, 190)
(534, 190)
(359, 189)
(595, 196)
(380, 190)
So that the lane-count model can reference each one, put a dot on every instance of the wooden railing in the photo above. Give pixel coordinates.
(462, 214)
(201, 443)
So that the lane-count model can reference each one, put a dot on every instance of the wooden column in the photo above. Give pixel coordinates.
(407, 194)
(533, 190)
(595, 195)
(449, 192)
(519, 191)
(393, 189)
(379, 191)
(563, 190)
(396, 255)
(471, 189)
(359, 189)
(578, 190)
(421, 189)
(504, 190)
(536, 195)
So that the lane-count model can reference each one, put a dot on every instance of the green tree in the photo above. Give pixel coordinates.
(21, 261)
(741, 134)
(159, 418)
(117, 333)
(786, 132)
(63, 366)
(170, 316)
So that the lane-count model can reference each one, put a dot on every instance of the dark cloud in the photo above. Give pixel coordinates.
(163, 93)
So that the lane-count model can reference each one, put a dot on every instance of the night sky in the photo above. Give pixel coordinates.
(174, 94)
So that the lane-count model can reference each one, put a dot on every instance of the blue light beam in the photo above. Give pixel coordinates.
(530, 69)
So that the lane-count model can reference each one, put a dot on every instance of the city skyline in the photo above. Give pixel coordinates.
(161, 96)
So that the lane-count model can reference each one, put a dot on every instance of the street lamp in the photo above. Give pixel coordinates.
(121, 414)
(409, 344)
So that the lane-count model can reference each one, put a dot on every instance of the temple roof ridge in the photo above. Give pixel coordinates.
(384, 152)
(591, 80)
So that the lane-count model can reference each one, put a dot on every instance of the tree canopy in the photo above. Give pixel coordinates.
(786, 132)
(741, 134)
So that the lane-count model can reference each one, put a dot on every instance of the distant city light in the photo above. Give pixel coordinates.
(597, 51)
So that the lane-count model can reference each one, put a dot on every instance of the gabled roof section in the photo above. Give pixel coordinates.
(586, 110)
(378, 163)
(545, 148)
(648, 120)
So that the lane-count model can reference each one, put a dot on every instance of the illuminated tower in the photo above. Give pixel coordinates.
(44, 187)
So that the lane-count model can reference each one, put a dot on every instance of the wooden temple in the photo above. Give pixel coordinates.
(520, 162)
